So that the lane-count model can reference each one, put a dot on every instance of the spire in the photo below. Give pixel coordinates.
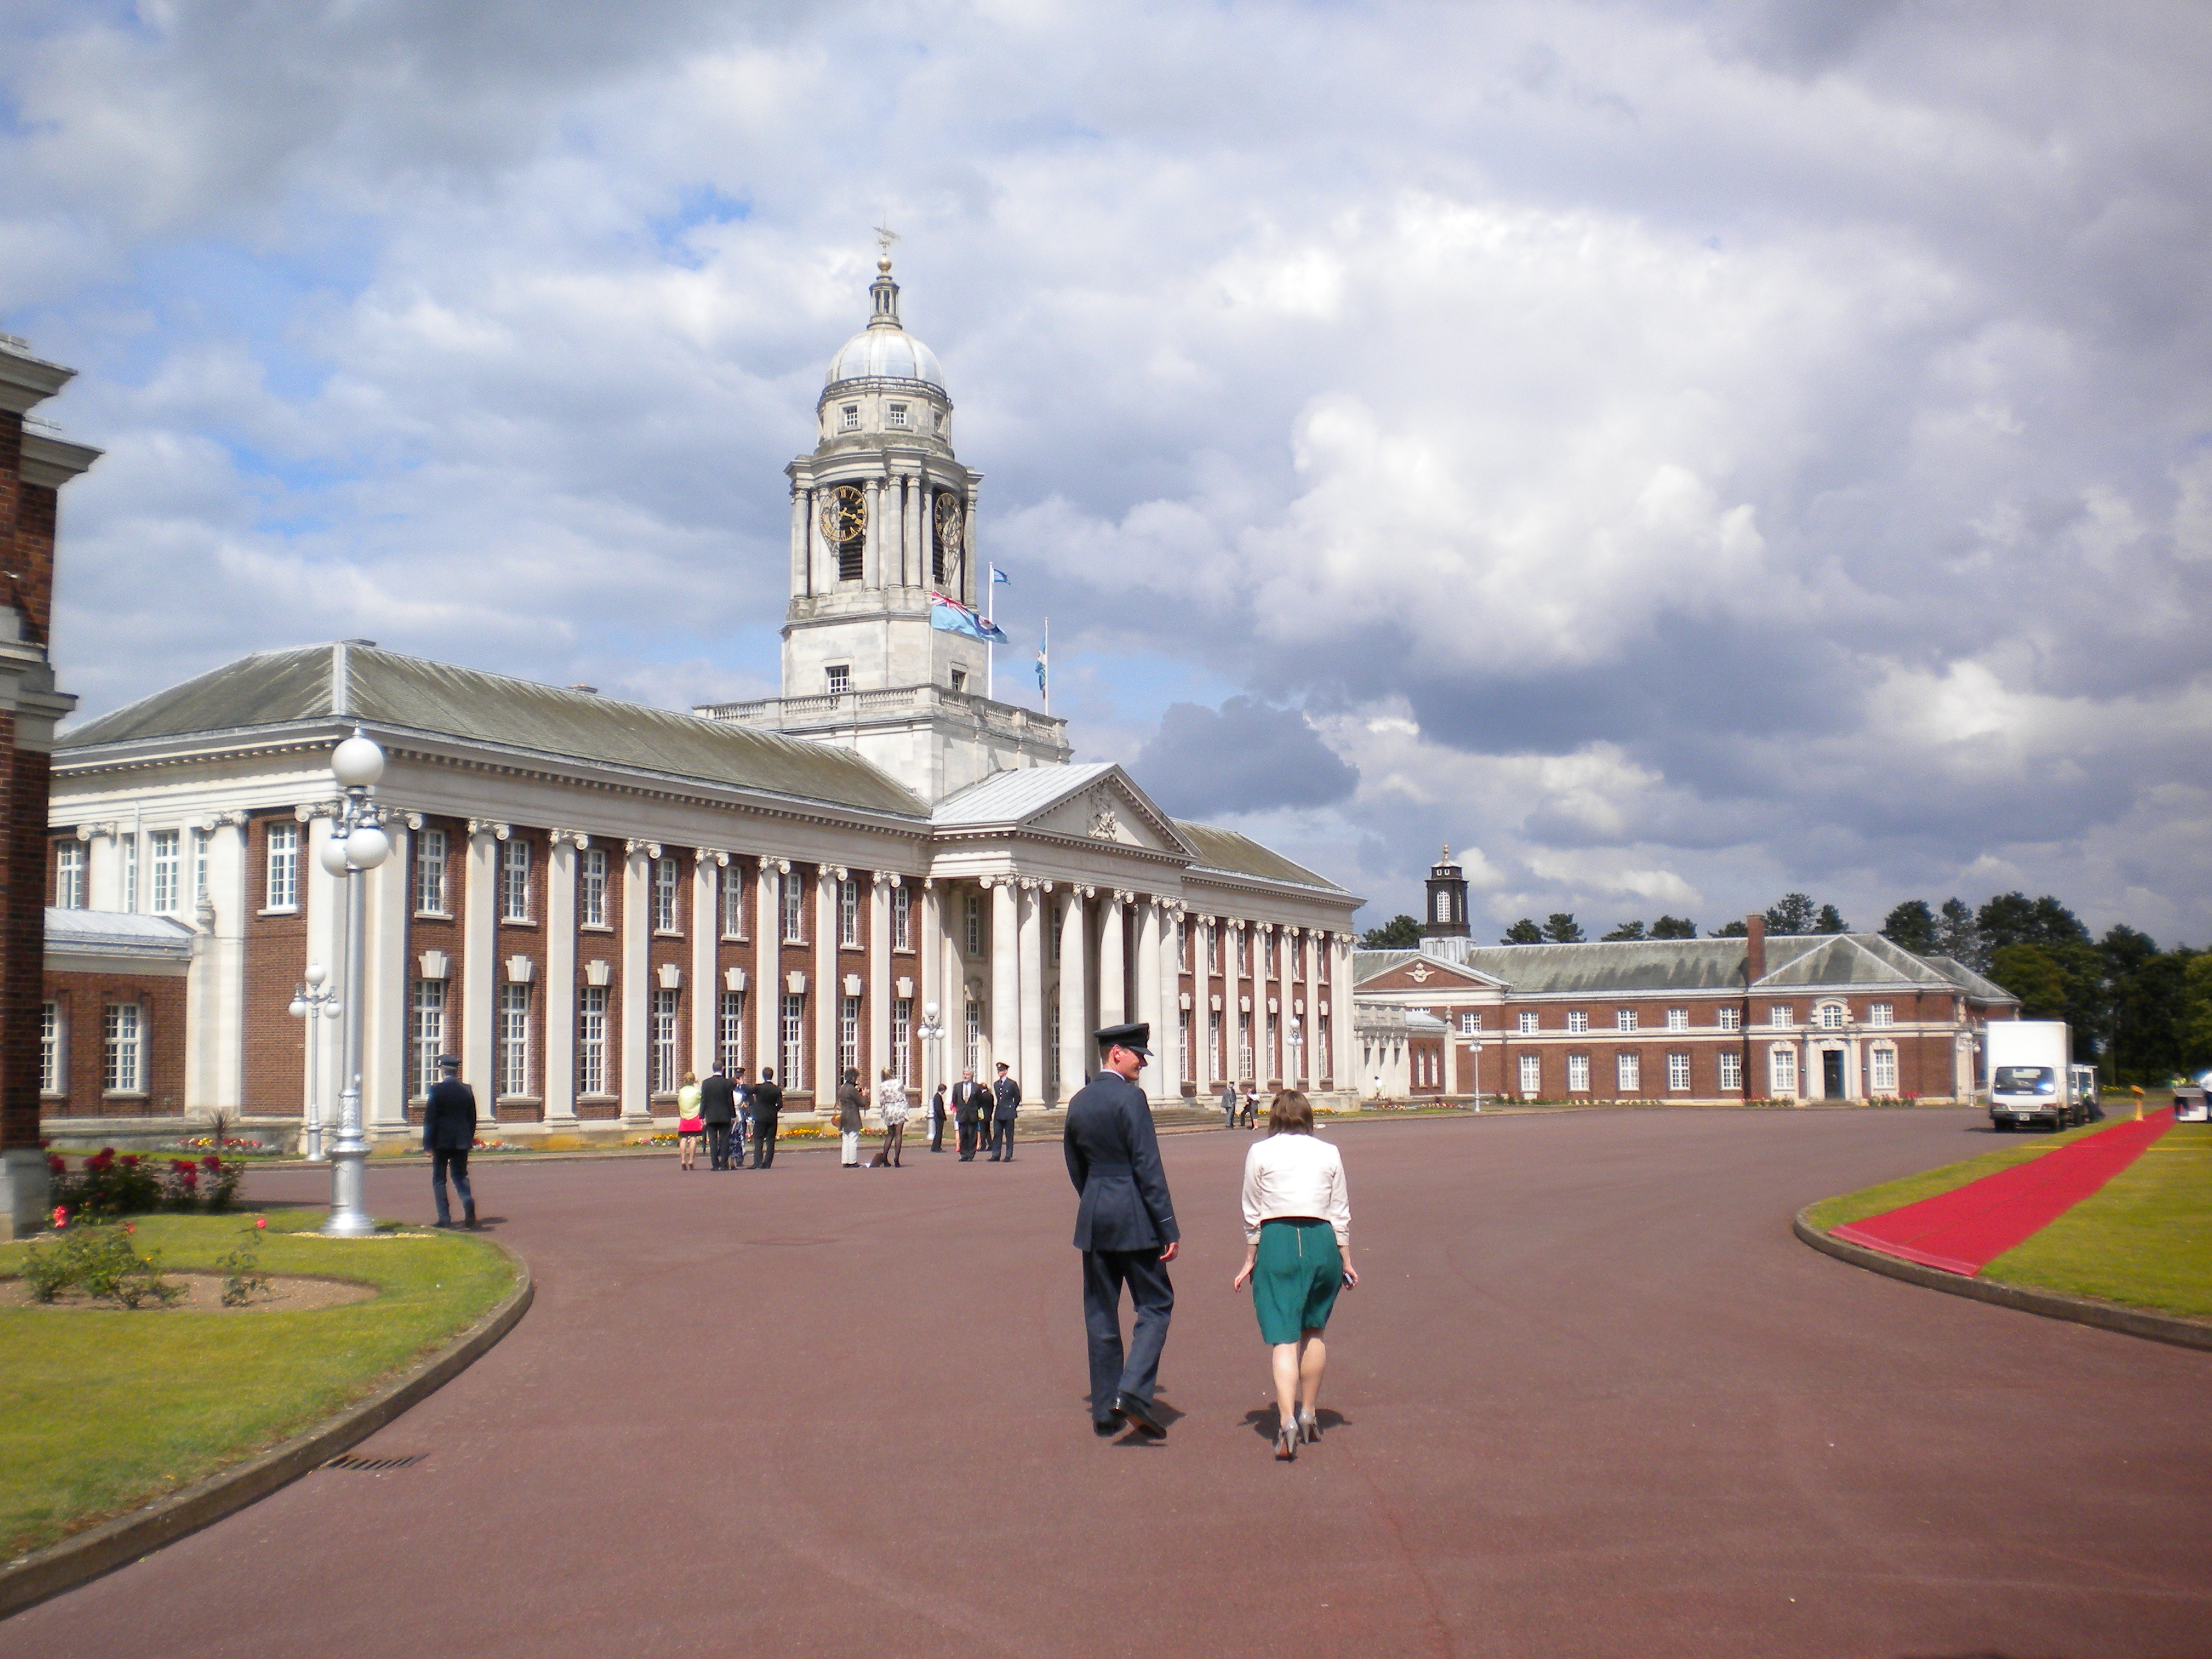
(883, 290)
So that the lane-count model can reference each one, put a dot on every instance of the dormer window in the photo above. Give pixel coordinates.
(840, 679)
(959, 680)
(849, 417)
(896, 415)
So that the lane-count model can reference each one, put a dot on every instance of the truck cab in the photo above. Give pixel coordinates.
(2086, 1101)
(2032, 1075)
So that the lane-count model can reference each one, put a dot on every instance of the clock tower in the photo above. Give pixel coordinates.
(882, 515)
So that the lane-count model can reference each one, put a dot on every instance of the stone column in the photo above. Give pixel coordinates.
(1172, 1013)
(1033, 900)
(384, 1034)
(1202, 1009)
(1005, 976)
(559, 996)
(1112, 1000)
(215, 991)
(971, 548)
(1316, 1060)
(930, 953)
(480, 959)
(827, 988)
(1341, 1015)
(1148, 990)
(879, 984)
(915, 562)
(872, 538)
(1077, 1059)
(768, 968)
(802, 515)
(705, 983)
(636, 970)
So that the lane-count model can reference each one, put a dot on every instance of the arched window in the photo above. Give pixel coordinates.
(1443, 904)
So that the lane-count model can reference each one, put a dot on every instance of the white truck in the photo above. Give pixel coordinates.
(2031, 1070)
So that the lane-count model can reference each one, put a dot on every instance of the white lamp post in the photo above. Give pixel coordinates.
(932, 1032)
(357, 844)
(309, 1000)
(1295, 1037)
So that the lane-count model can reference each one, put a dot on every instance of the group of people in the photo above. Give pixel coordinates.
(726, 1112)
(983, 1118)
(1231, 1110)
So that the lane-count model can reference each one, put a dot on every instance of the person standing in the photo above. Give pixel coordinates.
(1006, 1101)
(968, 1105)
(718, 1111)
(1125, 1226)
(1297, 1255)
(449, 1130)
(852, 1109)
(891, 1107)
(1228, 1105)
(937, 1120)
(767, 1102)
(740, 1131)
(687, 1124)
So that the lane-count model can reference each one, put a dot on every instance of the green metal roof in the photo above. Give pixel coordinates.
(1600, 967)
(1240, 855)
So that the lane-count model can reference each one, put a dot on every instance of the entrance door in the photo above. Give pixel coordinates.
(1831, 1074)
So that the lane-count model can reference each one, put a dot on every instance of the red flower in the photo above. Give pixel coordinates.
(260, 1222)
(57, 1164)
(211, 1163)
(61, 1215)
(130, 1226)
(130, 1160)
(99, 1161)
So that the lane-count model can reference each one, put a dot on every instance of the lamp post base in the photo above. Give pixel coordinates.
(348, 1187)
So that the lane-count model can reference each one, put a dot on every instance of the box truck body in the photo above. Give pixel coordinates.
(2030, 1073)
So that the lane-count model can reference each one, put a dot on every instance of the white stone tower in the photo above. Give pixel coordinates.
(882, 514)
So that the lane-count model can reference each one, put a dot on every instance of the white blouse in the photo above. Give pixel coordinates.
(891, 1099)
(1296, 1175)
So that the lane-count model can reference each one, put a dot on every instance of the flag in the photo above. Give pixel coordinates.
(951, 616)
(999, 576)
(1044, 661)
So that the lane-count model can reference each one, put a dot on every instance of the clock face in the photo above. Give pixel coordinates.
(948, 521)
(844, 515)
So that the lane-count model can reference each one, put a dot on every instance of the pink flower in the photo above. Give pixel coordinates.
(260, 1222)
(61, 1215)
(130, 1226)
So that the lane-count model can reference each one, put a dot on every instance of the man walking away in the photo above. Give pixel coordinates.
(718, 1111)
(768, 1101)
(1125, 1226)
(937, 1120)
(967, 1103)
(449, 1129)
(1006, 1101)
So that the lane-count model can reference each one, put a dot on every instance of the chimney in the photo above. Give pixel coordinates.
(1755, 941)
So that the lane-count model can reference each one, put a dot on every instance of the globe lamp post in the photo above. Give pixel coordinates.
(357, 845)
(309, 1000)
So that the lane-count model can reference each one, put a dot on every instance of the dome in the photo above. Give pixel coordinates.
(885, 352)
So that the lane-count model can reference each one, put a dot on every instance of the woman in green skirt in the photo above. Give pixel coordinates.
(1297, 1253)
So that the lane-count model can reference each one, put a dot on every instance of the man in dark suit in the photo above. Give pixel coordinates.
(718, 1111)
(937, 1120)
(968, 1100)
(767, 1102)
(1006, 1101)
(449, 1129)
(1125, 1226)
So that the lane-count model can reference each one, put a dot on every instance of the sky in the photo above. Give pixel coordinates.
(1674, 453)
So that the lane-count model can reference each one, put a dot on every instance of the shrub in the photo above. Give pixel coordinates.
(109, 1185)
(243, 1279)
(105, 1263)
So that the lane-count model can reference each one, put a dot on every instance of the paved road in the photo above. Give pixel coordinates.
(1594, 1400)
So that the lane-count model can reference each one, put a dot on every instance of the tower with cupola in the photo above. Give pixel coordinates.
(1446, 917)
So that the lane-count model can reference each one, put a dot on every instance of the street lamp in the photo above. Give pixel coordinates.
(307, 1001)
(932, 1032)
(357, 844)
(1295, 1037)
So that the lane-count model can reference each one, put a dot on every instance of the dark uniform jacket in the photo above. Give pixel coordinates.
(449, 1117)
(1008, 1095)
(966, 1098)
(1114, 1159)
(767, 1101)
(718, 1100)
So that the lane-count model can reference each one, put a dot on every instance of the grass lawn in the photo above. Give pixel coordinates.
(2145, 1240)
(101, 1411)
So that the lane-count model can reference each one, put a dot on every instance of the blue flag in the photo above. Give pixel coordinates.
(948, 616)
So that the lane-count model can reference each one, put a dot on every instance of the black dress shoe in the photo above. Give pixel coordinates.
(1141, 1414)
(1108, 1424)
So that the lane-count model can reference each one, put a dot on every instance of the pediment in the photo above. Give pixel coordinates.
(1096, 802)
(1429, 974)
(1112, 811)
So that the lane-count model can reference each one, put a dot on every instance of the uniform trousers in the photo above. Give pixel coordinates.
(1151, 1296)
(455, 1158)
(1002, 1139)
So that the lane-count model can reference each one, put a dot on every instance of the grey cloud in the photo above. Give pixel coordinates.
(1245, 757)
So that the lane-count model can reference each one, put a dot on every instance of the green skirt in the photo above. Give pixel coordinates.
(1295, 1279)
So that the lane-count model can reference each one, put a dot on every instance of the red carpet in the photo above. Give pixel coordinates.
(1961, 1231)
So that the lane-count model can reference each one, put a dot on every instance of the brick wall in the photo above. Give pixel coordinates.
(23, 778)
(276, 963)
(81, 1000)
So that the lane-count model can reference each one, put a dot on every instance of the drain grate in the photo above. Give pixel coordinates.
(375, 1465)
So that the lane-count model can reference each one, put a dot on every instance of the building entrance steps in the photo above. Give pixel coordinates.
(1963, 1230)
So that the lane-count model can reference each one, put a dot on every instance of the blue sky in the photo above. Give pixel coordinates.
(1677, 452)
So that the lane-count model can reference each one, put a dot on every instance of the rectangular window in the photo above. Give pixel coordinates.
(840, 677)
(1244, 1044)
(68, 876)
(1678, 1073)
(902, 922)
(975, 916)
(1678, 1019)
(515, 881)
(849, 1035)
(1577, 1074)
(1628, 1071)
(1243, 952)
(1782, 1071)
(666, 1004)
(591, 889)
(1731, 1019)
(901, 1054)
(1531, 1075)
(1881, 1013)
(1528, 1020)
(1274, 1046)
(1298, 956)
(1052, 913)
(794, 1040)
(848, 915)
(283, 891)
(164, 849)
(1470, 1022)
(895, 415)
(128, 845)
(1213, 1041)
(1212, 947)
(197, 889)
(430, 872)
(1624, 1019)
(513, 1039)
(1881, 1071)
(794, 907)
(50, 1048)
(1831, 1016)
(1731, 1071)
(730, 1031)
(733, 883)
(1781, 1014)
(1577, 1022)
(975, 1036)
(667, 882)
(592, 1039)
(849, 417)
(425, 1034)
(122, 1072)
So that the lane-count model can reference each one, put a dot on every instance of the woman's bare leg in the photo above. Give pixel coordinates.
(1313, 1355)
(1285, 1356)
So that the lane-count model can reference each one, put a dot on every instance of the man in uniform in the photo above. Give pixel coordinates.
(968, 1099)
(1006, 1101)
(1125, 1226)
(449, 1129)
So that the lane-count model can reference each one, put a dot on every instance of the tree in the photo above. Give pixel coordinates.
(2194, 1025)
(1560, 929)
(2143, 992)
(1626, 930)
(1911, 926)
(2016, 919)
(2030, 973)
(1523, 931)
(1400, 933)
(1673, 927)
(1731, 930)
(1830, 920)
(1960, 938)
(1792, 914)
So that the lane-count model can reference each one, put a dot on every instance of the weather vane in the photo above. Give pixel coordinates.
(884, 237)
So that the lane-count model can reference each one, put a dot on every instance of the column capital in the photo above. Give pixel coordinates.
(575, 838)
(90, 831)
(1123, 896)
(500, 831)
(703, 854)
(650, 849)
(782, 866)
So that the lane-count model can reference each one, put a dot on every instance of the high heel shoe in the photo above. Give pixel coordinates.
(1286, 1441)
(1308, 1427)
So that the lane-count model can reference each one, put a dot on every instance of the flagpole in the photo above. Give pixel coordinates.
(990, 649)
(1044, 679)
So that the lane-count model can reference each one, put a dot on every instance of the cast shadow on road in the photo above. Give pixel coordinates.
(1130, 1435)
(1264, 1420)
